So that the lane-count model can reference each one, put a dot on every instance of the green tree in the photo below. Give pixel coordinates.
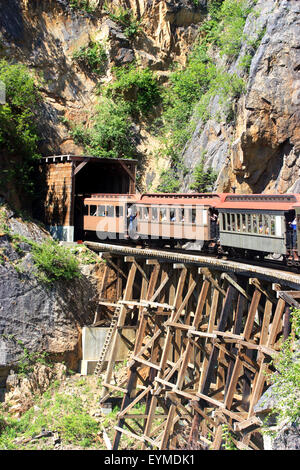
(138, 86)
(18, 116)
(111, 134)
(203, 179)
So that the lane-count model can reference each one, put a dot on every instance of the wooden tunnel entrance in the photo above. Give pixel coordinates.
(204, 344)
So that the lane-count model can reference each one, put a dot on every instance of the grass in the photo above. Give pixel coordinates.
(57, 412)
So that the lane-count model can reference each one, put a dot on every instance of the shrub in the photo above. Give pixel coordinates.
(169, 181)
(18, 134)
(82, 5)
(56, 412)
(124, 17)
(286, 379)
(54, 262)
(137, 86)
(111, 135)
(93, 56)
(193, 87)
(203, 179)
(233, 15)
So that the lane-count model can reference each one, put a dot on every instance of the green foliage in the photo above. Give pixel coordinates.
(93, 56)
(82, 5)
(139, 87)
(169, 181)
(125, 18)
(233, 15)
(111, 135)
(203, 179)
(64, 414)
(193, 87)
(28, 360)
(18, 133)
(286, 379)
(227, 438)
(54, 262)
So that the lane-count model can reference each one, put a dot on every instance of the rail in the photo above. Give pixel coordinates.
(288, 278)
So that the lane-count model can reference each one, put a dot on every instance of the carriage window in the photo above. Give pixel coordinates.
(266, 224)
(254, 222)
(101, 211)
(119, 211)
(228, 222)
(244, 223)
(163, 215)
(110, 211)
(272, 225)
(192, 215)
(85, 210)
(172, 215)
(233, 226)
(238, 222)
(154, 213)
(181, 215)
(93, 210)
(145, 213)
(260, 223)
(249, 222)
(222, 222)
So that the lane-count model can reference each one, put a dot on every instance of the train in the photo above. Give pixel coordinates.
(236, 226)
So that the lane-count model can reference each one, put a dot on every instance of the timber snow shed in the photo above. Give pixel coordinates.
(70, 178)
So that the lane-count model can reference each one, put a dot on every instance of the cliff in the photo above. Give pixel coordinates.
(259, 151)
(38, 313)
(255, 150)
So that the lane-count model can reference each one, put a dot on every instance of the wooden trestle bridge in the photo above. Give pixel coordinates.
(206, 333)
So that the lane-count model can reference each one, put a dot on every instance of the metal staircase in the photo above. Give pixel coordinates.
(105, 347)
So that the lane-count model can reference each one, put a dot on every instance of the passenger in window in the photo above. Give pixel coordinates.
(130, 218)
(294, 229)
(214, 225)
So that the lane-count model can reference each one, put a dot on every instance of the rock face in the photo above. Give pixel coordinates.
(44, 36)
(35, 316)
(259, 152)
(22, 391)
(284, 435)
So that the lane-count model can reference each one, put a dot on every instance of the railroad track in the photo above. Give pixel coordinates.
(267, 271)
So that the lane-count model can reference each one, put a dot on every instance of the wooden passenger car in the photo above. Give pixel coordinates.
(175, 216)
(256, 222)
(106, 214)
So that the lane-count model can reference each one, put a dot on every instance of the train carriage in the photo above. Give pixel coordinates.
(175, 217)
(257, 223)
(229, 224)
(105, 215)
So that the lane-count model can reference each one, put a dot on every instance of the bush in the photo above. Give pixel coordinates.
(203, 179)
(18, 134)
(125, 18)
(82, 5)
(54, 262)
(169, 182)
(193, 87)
(93, 56)
(58, 412)
(137, 86)
(286, 379)
(111, 135)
